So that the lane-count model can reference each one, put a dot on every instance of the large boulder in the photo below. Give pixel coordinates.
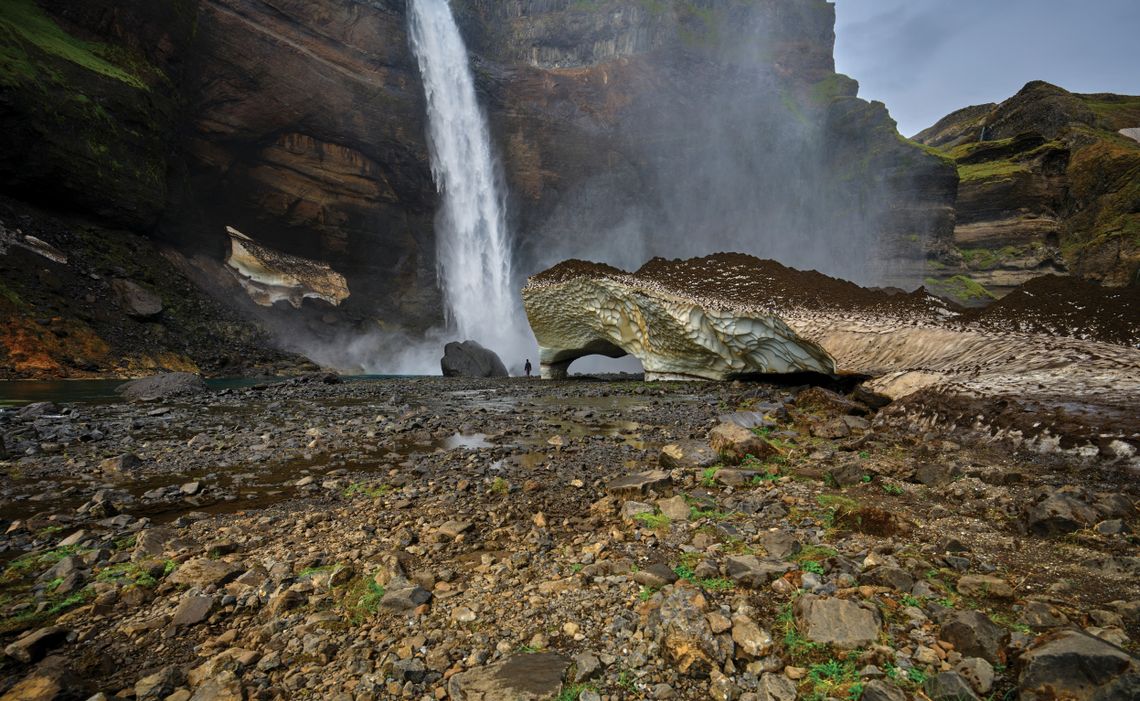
(1075, 665)
(679, 623)
(165, 386)
(519, 677)
(839, 622)
(136, 301)
(469, 359)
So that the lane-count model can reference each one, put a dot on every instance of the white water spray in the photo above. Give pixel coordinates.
(473, 245)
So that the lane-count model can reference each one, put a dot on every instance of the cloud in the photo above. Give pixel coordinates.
(927, 58)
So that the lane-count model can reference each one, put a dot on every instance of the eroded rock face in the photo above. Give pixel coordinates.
(270, 276)
(578, 310)
(237, 134)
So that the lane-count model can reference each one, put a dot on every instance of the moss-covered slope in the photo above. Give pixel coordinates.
(1048, 184)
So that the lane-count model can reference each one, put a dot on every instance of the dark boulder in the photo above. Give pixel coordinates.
(1075, 665)
(135, 300)
(974, 635)
(469, 359)
(165, 386)
(1059, 513)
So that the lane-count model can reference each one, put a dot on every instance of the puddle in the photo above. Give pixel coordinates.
(264, 479)
(466, 441)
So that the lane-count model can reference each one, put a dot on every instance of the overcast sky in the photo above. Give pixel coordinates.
(927, 58)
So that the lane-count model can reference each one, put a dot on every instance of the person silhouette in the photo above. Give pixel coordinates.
(526, 368)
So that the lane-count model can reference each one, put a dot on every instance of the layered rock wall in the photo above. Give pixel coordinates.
(1048, 184)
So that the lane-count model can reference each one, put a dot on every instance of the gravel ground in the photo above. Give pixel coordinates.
(431, 539)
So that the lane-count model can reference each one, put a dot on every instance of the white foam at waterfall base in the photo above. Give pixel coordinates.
(473, 244)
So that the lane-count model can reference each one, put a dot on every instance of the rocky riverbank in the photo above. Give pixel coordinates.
(484, 539)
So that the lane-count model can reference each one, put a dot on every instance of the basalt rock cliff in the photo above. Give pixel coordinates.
(1049, 183)
(625, 128)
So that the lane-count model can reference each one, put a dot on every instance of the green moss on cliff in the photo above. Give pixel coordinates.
(963, 151)
(833, 86)
(24, 24)
(990, 170)
(961, 289)
(929, 150)
(1120, 111)
(990, 258)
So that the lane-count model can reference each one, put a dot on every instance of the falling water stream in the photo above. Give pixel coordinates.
(473, 244)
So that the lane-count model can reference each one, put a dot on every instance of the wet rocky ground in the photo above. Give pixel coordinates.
(482, 540)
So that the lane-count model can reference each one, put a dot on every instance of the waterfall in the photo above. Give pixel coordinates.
(473, 245)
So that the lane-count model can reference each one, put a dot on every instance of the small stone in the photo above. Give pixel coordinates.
(639, 484)
(33, 647)
(974, 635)
(686, 455)
(120, 463)
(718, 622)
(158, 686)
(223, 687)
(453, 529)
(749, 637)
(948, 686)
(587, 666)
(777, 687)
(733, 442)
(630, 510)
(842, 623)
(978, 672)
(676, 508)
(462, 615)
(721, 687)
(1041, 615)
(750, 571)
(780, 545)
(192, 609)
(74, 539)
(655, 576)
(203, 572)
(984, 586)
(519, 677)
(1111, 527)
(878, 690)
(405, 598)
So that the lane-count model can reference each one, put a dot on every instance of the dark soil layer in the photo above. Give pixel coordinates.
(1065, 306)
(741, 280)
(1051, 304)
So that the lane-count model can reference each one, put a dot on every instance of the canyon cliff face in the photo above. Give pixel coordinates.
(1049, 183)
(633, 129)
(626, 129)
